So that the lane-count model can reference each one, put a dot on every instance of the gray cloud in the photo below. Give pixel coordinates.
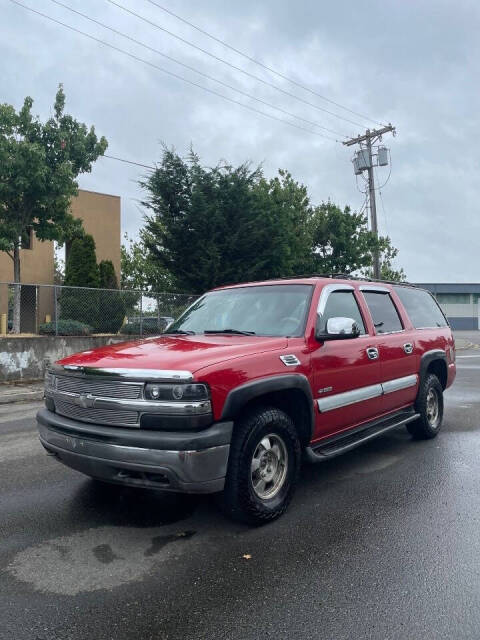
(412, 63)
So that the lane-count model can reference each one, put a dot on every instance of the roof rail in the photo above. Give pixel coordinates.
(347, 276)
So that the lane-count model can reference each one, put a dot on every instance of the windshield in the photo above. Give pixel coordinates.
(266, 310)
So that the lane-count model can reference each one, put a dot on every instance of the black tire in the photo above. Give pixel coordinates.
(429, 423)
(240, 500)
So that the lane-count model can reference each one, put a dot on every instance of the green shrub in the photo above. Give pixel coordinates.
(65, 328)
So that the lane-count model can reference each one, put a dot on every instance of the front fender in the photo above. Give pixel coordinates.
(237, 398)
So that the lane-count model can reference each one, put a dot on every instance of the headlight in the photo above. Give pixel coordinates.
(177, 392)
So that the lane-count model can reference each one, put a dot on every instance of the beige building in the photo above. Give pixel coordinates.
(100, 215)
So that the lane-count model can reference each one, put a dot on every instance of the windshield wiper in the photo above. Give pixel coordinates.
(180, 332)
(234, 331)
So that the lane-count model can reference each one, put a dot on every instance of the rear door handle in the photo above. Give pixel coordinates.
(372, 353)
(408, 347)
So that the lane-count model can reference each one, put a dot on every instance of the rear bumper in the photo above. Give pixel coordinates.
(190, 462)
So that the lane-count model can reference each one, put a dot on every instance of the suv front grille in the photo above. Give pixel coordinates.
(103, 389)
(99, 416)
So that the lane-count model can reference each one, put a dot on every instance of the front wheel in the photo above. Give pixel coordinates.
(263, 466)
(429, 405)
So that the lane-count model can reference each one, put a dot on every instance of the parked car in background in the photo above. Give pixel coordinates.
(148, 325)
(247, 381)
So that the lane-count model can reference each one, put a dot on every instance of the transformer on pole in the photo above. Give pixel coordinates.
(365, 160)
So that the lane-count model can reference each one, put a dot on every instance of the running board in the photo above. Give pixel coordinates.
(345, 442)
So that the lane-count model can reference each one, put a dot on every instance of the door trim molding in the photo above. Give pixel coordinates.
(339, 400)
(349, 397)
(399, 383)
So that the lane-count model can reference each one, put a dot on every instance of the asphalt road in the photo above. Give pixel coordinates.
(383, 542)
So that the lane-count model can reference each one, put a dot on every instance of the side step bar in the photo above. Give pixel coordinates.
(332, 447)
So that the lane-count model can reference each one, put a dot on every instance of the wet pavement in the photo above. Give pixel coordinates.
(383, 542)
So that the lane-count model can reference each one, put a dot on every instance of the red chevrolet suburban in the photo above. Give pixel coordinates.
(250, 379)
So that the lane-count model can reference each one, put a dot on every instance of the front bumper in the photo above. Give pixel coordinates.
(190, 462)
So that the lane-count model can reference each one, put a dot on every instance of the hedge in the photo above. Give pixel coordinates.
(65, 328)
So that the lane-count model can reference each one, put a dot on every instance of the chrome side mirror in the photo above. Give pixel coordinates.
(339, 329)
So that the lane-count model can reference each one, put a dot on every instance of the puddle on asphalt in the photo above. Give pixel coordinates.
(99, 558)
(371, 463)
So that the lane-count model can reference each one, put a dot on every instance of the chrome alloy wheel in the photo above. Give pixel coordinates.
(433, 409)
(268, 468)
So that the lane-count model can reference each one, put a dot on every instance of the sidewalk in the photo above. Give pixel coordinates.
(21, 392)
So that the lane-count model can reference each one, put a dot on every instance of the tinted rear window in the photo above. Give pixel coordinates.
(384, 313)
(422, 309)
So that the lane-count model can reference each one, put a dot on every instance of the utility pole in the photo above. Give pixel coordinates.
(364, 161)
(373, 208)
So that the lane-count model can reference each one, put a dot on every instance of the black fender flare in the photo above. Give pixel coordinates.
(240, 396)
(428, 357)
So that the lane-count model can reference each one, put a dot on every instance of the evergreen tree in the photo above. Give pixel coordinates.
(107, 276)
(111, 308)
(209, 227)
(81, 271)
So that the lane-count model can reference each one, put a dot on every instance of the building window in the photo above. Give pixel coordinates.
(27, 239)
(454, 298)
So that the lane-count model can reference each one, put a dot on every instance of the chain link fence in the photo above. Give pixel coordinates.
(60, 311)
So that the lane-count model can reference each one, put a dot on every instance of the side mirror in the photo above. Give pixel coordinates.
(339, 329)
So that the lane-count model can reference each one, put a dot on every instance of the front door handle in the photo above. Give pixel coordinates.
(372, 353)
(408, 347)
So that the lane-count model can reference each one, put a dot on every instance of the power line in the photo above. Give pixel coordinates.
(170, 73)
(186, 66)
(261, 64)
(138, 164)
(229, 64)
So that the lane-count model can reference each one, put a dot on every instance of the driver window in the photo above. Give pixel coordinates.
(341, 304)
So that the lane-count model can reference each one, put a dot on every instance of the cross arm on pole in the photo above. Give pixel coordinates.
(369, 134)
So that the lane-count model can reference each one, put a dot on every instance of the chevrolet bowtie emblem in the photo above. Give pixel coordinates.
(85, 400)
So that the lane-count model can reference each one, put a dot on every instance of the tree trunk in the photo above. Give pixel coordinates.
(17, 288)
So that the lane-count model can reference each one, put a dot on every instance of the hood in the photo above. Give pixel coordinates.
(187, 353)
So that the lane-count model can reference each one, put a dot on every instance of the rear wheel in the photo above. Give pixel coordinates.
(429, 405)
(263, 466)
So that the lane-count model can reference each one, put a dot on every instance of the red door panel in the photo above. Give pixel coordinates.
(399, 369)
(343, 367)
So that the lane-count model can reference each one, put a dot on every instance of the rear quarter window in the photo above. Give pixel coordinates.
(421, 308)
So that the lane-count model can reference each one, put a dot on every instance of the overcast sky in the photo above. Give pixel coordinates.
(410, 62)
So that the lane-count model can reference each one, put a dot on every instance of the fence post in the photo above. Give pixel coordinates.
(141, 314)
(56, 309)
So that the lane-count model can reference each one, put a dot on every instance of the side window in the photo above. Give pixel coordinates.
(422, 309)
(384, 314)
(341, 304)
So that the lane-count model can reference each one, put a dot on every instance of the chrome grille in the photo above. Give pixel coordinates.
(101, 388)
(99, 416)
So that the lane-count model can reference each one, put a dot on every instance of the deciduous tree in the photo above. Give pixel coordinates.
(341, 241)
(39, 162)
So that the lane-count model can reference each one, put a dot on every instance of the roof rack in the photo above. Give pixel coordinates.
(347, 276)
